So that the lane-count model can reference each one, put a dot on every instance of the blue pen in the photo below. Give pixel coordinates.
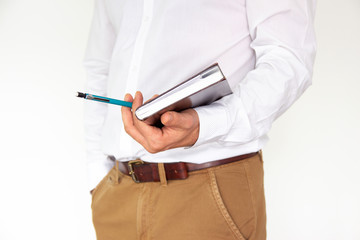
(104, 99)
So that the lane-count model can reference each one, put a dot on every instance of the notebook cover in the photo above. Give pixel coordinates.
(203, 96)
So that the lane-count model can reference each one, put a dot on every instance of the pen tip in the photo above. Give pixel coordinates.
(80, 94)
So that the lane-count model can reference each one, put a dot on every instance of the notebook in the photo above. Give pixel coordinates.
(203, 88)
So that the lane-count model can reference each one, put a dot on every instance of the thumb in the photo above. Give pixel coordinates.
(171, 119)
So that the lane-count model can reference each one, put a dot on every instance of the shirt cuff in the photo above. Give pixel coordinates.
(214, 123)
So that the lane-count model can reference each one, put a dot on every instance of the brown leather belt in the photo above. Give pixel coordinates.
(148, 172)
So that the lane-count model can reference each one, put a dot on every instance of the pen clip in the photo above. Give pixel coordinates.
(89, 96)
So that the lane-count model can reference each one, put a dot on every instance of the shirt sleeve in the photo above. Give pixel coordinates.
(96, 63)
(283, 40)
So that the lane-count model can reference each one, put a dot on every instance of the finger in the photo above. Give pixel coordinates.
(184, 120)
(138, 101)
(146, 130)
(126, 112)
(185, 125)
(173, 119)
(127, 98)
(128, 121)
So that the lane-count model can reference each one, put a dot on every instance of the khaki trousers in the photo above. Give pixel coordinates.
(223, 202)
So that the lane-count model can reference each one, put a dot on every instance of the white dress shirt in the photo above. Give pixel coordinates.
(266, 50)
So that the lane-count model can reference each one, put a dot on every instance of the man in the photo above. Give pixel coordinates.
(200, 176)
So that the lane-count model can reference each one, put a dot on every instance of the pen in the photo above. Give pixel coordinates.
(104, 99)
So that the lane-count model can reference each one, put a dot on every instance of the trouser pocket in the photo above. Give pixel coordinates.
(239, 194)
(102, 183)
(223, 207)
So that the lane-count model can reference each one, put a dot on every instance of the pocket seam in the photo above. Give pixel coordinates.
(101, 184)
(222, 208)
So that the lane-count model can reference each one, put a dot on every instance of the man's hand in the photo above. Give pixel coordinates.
(179, 130)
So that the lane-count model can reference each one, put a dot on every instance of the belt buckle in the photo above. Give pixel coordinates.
(131, 168)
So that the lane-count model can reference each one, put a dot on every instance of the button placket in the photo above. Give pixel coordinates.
(134, 68)
(132, 83)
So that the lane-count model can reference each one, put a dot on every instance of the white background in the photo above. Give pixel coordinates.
(312, 163)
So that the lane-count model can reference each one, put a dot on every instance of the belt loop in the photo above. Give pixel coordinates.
(162, 174)
(117, 180)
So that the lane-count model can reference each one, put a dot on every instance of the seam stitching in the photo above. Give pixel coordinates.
(251, 191)
(221, 206)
